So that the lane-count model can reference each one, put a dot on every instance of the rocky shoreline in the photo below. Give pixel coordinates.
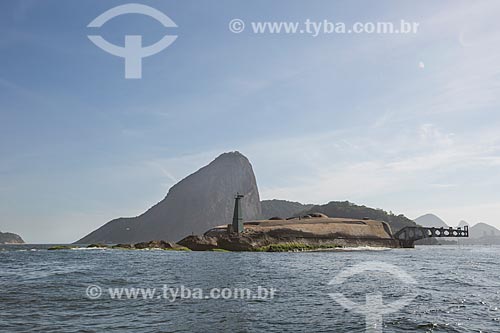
(151, 245)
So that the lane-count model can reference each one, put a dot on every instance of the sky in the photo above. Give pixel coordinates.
(409, 123)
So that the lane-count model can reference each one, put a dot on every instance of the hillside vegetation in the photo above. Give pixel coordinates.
(350, 210)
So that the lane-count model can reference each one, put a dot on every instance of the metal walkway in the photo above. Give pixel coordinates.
(408, 235)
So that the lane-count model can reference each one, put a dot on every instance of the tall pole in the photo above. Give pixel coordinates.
(238, 214)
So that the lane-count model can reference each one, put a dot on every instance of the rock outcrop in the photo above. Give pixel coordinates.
(10, 238)
(199, 202)
(199, 243)
(156, 244)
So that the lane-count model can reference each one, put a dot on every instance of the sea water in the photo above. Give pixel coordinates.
(449, 288)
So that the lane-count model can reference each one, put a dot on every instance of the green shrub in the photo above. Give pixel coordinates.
(60, 247)
(294, 247)
(180, 248)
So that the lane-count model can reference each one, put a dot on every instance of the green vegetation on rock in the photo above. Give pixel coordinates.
(346, 209)
(295, 247)
(60, 247)
(180, 248)
(282, 208)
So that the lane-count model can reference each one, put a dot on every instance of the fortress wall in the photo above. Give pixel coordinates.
(325, 228)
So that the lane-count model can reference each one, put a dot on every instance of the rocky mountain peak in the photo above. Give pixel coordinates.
(200, 201)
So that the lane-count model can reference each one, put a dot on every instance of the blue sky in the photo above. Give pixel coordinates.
(408, 123)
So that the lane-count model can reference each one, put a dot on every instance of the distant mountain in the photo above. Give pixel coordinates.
(10, 238)
(463, 223)
(481, 230)
(431, 220)
(197, 203)
(349, 210)
(282, 208)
